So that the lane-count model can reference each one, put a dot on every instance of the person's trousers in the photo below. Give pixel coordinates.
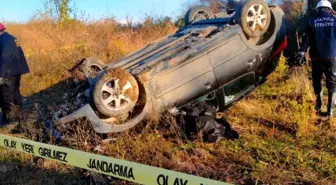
(328, 68)
(10, 95)
(17, 93)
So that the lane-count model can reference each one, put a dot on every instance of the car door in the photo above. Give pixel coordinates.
(186, 82)
(231, 59)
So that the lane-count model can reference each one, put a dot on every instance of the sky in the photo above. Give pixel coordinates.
(23, 10)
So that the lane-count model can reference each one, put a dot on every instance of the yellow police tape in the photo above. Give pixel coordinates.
(121, 169)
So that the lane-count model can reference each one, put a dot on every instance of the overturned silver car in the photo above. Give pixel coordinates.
(220, 58)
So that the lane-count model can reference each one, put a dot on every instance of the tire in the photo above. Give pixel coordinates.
(116, 93)
(254, 17)
(92, 66)
(198, 13)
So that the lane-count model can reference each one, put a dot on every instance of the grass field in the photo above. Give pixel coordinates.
(281, 140)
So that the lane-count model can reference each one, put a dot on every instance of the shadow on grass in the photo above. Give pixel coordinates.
(288, 128)
(50, 96)
(12, 173)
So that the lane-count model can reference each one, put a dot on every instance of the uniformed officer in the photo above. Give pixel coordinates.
(13, 64)
(320, 36)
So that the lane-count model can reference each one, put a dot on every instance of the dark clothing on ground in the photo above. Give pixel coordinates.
(12, 59)
(202, 118)
(320, 36)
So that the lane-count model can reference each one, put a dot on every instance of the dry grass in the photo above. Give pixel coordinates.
(52, 50)
(281, 142)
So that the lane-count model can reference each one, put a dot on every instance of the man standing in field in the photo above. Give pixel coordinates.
(13, 64)
(320, 36)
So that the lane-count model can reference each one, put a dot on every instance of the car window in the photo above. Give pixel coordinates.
(237, 87)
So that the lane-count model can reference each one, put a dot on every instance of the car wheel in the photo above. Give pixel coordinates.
(116, 93)
(198, 13)
(92, 66)
(254, 17)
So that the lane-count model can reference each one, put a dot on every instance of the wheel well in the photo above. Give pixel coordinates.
(142, 100)
(269, 33)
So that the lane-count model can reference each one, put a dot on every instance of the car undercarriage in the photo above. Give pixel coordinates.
(220, 59)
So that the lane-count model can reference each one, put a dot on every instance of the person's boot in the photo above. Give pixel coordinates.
(319, 102)
(331, 103)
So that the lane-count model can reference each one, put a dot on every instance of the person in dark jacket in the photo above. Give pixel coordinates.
(320, 36)
(13, 64)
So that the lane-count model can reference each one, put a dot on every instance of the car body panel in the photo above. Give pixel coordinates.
(233, 47)
(167, 82)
